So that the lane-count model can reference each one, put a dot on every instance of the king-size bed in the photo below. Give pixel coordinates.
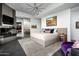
(44, 39)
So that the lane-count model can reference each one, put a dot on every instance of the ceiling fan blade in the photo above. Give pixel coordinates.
(40, 5)
(29, 5)
(32, 10)
(28, 8)
(42, 8)
(34, 4)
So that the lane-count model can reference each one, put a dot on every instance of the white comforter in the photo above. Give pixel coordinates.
(44, 38)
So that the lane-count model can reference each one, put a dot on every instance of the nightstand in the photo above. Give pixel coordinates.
(63, 37)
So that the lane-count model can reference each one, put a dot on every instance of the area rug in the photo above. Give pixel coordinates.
(12, 48)
(32, 48)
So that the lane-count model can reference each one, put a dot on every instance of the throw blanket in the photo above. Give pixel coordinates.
(76, 44)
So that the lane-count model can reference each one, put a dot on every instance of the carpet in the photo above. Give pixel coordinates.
(32, 48)
(59, 53)
(12, 48)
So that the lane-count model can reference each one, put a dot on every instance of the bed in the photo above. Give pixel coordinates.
(44, 39)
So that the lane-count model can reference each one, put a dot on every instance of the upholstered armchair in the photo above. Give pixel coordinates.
(65, 46)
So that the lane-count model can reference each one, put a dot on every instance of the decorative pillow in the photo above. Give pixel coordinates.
(47, 31)
(52, 30)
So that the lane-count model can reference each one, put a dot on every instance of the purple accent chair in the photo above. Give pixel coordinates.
(65, 46)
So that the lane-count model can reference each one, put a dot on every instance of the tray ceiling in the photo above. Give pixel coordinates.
(30, 7)
(41, 9)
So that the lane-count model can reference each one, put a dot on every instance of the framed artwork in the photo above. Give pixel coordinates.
(34, 26)
(77, 24)
(52, 21)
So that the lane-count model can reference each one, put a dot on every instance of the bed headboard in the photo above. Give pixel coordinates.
(62, 30)
(59, 30)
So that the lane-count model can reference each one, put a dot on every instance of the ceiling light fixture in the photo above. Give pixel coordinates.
(36, 9)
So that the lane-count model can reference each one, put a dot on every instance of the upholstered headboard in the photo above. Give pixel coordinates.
(62, 30)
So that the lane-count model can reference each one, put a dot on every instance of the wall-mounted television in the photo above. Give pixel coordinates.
(7, 20)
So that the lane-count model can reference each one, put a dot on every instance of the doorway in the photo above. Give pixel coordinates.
(27, 27)
(24, 27)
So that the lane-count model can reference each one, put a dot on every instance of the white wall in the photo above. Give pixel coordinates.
(74, 19)
(63, 21)
(36, 22)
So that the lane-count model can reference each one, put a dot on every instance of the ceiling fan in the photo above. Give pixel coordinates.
(36, 9)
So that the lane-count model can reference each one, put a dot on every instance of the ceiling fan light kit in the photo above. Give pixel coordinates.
(35, 8)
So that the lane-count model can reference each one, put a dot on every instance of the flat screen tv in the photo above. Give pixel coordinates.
(7, 20)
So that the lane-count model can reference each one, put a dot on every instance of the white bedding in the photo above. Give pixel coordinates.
(44, 38)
